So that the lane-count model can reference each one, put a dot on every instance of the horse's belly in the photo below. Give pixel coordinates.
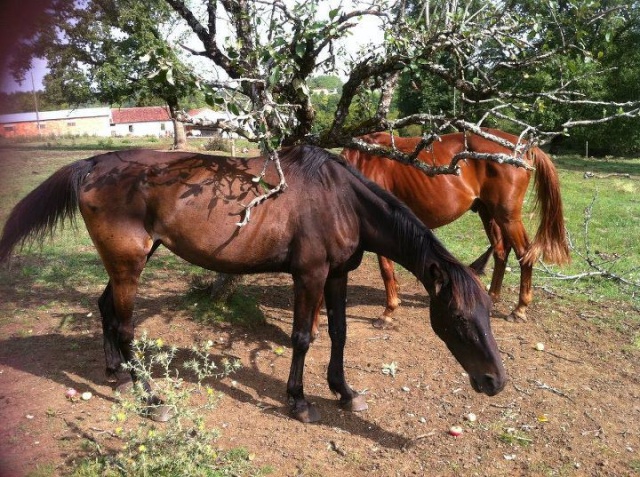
(211, 238)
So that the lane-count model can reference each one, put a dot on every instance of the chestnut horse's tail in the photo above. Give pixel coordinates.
(53, 201)
(550, 241)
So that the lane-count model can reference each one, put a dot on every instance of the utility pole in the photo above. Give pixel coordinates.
(35, 103)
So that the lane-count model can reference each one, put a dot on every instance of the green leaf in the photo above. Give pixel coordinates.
(274, 78)
(334, 13)
(233, 107)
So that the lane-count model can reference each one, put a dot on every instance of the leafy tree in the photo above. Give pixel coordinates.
(114, 51)
(328, 82)
(524, 65)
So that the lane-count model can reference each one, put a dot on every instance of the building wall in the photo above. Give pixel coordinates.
(96, 126)
(152, 128)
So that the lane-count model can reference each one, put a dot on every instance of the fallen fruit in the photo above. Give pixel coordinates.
(471, 417)
(86, 396)
(71, 394)
(455, 431)
(540, 346)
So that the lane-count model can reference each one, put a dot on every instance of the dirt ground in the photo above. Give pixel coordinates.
(572, 409)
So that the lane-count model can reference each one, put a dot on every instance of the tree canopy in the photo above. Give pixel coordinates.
(545, 68)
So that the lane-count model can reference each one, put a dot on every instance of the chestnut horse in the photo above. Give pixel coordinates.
(495, 191)
(316, 230)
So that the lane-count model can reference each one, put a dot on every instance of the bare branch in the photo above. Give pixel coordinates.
(452, 168)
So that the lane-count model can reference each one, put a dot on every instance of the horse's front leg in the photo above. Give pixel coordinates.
(307, 295)
(335, 295)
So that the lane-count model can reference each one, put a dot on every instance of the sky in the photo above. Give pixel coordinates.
(38, 69)
(366, 32)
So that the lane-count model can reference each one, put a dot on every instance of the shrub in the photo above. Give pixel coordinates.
(183, 446)
(217, 143)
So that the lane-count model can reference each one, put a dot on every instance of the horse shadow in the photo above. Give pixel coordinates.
(77, 360)
(36, 355)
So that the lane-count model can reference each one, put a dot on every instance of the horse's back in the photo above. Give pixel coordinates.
(435, 200)
(192, 204)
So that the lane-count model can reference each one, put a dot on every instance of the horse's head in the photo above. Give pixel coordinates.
(460, 317)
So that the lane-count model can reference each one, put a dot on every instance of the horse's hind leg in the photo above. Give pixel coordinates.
(315, 327)
(516, 235)
(307, 295)
(113, 356)
(335, 299)
(117, 348)
(124, 260)
(391, 289)
(116, 307)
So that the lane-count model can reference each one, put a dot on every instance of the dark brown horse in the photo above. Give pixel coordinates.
(316, 230)
(495, 191)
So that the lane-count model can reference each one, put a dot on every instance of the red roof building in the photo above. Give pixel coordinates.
(144, 121)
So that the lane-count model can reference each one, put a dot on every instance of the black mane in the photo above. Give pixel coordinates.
(415, 238)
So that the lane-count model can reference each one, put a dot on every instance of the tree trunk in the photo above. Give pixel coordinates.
(179, 136)
(224, 286)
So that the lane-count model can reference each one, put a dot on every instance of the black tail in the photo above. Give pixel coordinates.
(53, 201)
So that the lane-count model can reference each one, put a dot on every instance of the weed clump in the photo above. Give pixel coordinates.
(183, 446)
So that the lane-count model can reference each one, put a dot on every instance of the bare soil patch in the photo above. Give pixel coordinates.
(572, 409)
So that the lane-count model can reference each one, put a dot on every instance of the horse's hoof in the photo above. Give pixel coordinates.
(307, 415)
(517, 317)
(357, 404)
(116, 376)
(161, 413)
(124, 386)
(383, 322)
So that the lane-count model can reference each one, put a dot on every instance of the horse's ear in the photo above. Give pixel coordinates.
(438, 278)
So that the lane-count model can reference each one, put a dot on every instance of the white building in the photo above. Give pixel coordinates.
(144, 121)
(66, 122)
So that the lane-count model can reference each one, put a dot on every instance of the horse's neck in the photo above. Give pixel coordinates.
(380, 233)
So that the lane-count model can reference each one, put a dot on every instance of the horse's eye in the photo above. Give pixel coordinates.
(461, 325)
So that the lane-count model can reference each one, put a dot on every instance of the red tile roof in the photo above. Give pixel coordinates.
(195, 112)
(140, 115)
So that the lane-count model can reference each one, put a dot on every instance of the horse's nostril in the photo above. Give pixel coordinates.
(492, 384)
(489, 380)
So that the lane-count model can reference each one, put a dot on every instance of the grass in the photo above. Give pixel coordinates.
(515, 437)
(240, 308)
(610, 238)
(43, 470)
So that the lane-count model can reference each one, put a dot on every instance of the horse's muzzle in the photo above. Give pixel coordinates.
(488, 384)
